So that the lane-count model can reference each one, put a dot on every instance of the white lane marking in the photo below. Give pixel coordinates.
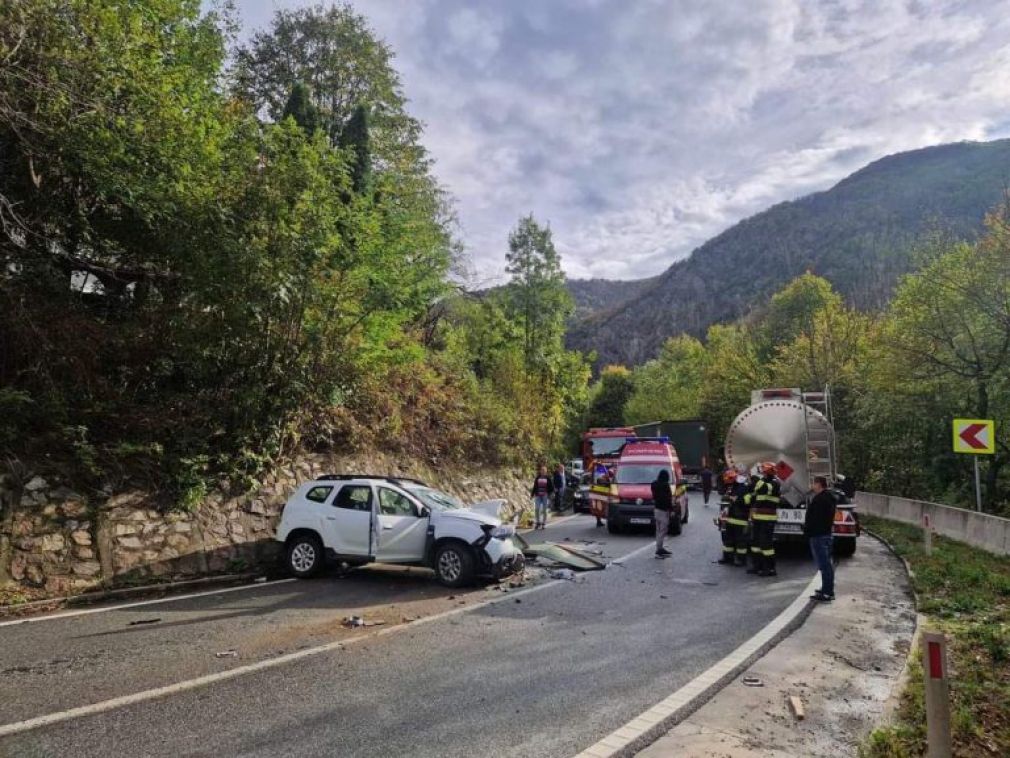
(665, 711)
(141, 603)
(119, 702)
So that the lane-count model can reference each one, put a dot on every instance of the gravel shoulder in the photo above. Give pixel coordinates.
(843, 664)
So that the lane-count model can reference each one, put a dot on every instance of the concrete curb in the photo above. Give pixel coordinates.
(646, 728)
(87, 598)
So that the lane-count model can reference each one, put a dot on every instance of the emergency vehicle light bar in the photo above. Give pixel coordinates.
(665, 440)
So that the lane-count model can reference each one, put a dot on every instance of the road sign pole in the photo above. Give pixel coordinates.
(927, 535)
(978, 488)
(934, 670)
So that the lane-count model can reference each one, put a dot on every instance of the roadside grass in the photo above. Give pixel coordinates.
(964, 592)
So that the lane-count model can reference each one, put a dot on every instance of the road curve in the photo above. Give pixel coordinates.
(546, 676)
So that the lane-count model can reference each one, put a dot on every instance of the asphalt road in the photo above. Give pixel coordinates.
(546, 673)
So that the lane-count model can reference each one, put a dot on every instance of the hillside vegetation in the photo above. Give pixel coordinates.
(939, 351)
(203, 270)
(857, 235)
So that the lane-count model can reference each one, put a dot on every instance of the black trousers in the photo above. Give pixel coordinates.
(763, 544)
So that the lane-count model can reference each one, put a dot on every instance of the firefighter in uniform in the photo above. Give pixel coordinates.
(734, 535)
(765, 499)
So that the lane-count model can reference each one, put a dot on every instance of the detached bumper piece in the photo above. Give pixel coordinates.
(566, 555)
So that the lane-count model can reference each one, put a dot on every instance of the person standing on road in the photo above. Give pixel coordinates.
(764, 517)
(543, 488)
(559, 488)
(662, 505)
(734, 534)
(706, 483)
(817, 528)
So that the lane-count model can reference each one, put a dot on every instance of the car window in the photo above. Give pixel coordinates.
(355, 497)
(318, 494)
(392, 503)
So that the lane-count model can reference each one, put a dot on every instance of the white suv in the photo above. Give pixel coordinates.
(360, 519)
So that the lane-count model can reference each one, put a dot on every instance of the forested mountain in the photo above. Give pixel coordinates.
(856, 235)
(593, 295)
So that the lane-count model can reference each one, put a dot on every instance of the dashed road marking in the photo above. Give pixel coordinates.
(141, 603)
(49, 719)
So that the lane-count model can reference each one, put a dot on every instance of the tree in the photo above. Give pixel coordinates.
(669, 387)
(301, 108)
(609, 397)
(536, 296)
(948, 336)
(354, 138)
(335, 52)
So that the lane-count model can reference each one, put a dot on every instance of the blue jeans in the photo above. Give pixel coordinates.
(541, 503)
(821, 549)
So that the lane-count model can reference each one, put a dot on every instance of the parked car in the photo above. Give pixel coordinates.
(580, 494)
(574, 472)
(630, 502)
(359, 519)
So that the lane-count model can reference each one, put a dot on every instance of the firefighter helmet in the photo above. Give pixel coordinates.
(768, 468)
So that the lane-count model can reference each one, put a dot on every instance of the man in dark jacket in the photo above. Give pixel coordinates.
(817, 528)
(662, 504)
(559, 487)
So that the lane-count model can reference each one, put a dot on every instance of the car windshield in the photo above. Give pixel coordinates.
(641, 474)
(607, 445)
(436, 499)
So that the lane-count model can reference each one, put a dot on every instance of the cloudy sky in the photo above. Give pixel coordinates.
(640, 128)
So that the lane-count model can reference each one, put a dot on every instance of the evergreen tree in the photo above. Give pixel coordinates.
(301, 108)
(536, 297)
(354, 138)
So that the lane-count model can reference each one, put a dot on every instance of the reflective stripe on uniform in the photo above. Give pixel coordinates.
(727, 549)
(768, 553)
(736, 522)
(755, 549)
(765, 517)
(742, 550)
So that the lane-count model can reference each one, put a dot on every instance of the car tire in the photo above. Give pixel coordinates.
(675, 527)
(305, 556)
(845, 548)
(454, 564)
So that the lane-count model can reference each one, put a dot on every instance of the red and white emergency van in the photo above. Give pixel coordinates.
(630, 500)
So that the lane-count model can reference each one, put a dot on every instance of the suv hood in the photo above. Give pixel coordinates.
(469, 514)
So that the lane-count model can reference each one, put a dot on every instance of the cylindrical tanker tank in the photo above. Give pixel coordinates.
(780, 431)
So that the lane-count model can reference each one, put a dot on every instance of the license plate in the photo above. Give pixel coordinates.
(792, 515)
(788, 529)
(640, 521)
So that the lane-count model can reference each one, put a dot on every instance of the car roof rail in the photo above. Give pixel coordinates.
(348, 477)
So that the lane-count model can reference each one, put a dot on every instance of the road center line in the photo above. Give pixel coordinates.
(18, 727)
(140, 603)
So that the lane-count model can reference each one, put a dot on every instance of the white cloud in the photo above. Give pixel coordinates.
(639, 130)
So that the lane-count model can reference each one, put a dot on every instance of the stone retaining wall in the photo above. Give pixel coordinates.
(990, 533)
(56, 540)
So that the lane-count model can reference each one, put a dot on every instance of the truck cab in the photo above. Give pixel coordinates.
(630, 502)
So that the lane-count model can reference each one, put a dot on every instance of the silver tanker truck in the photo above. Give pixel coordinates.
(793, 429)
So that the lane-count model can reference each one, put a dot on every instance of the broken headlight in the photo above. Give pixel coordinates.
(503, 532)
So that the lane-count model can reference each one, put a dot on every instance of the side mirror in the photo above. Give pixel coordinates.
(423, 511)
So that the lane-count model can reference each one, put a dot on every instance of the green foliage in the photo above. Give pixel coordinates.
(190, 293)
(301, 108)
(963, 591)
(536, 296)
(609, 397)
(670, 386)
